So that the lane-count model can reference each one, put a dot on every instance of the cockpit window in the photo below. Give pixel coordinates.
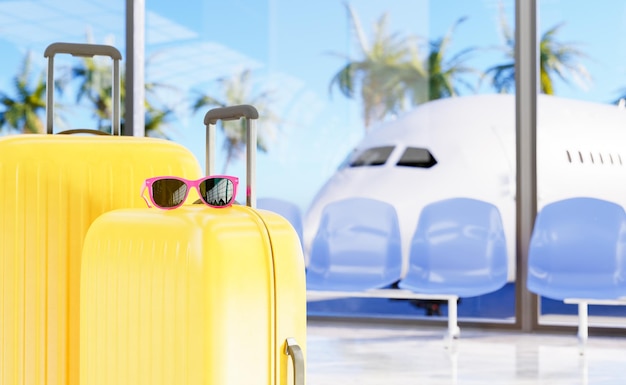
(374, 156)
(417, 157)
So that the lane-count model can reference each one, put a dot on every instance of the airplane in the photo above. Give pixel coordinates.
(465, 147)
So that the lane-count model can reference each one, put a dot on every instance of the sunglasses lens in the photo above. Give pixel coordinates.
(217, 191)
(169, 192)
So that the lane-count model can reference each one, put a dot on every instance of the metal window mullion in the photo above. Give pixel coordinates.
(526, 69)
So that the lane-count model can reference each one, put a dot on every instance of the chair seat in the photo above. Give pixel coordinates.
(357, 247)
(578, 250)
(458, 248)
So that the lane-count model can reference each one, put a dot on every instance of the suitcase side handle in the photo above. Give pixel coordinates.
(84, 50)
(250, 114)
(294, 350)
(82, 131)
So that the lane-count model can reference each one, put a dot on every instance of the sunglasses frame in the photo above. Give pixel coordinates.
(148, 183)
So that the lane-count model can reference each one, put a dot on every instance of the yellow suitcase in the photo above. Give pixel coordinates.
(51, 189)
(194, 295)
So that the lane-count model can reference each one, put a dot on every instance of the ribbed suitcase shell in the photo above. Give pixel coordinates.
(51, 188)
(191, 296)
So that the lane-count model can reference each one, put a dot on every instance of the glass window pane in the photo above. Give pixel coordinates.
(580, 140)
(417, 157)
(372, 157)
(434, 78)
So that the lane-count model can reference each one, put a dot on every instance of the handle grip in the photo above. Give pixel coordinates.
(231, 113)
(250, 114)
(294, 350)
(84, 50)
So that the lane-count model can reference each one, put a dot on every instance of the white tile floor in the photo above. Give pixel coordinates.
(375, 354)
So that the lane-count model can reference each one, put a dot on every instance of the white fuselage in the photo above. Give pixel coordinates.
(581, 151)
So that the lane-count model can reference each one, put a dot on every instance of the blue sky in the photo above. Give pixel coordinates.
(289, 46)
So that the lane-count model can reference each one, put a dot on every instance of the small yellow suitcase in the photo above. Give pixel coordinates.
(195, 295)
(51, 189)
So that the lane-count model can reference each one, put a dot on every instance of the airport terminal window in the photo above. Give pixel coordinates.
(417, 157)
(374, 156)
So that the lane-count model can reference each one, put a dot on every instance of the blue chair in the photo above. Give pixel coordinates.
(286, 209)
(356, 248)
(458, 248)
(577, 254)
(578, 250)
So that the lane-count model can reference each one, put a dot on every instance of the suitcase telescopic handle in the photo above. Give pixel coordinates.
(294, 350)
(83, 50)
(250, 114)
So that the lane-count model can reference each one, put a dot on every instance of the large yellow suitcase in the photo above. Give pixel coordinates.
(51, 189)
(193, 296)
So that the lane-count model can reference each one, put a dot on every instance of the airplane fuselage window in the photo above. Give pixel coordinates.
(610, 160)
(417, 157)
(375, 156)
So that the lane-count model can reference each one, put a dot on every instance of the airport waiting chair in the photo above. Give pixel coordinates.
(577, 254)
(357, 247)
(286, 209)
(457, 250)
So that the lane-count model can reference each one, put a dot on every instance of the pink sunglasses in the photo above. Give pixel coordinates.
(170, 192)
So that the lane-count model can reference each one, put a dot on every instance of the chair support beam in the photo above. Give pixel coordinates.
(453, 331)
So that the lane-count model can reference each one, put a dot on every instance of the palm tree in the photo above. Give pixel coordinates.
(379, 75)
(156, 120)
(559, 59)
(96, 85)
(392, 76)
(502, 76)
(444, 74)
(238, 90)
(555, 59)
(23, 111)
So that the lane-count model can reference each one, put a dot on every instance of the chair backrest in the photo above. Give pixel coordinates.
(288, 210)
(458, 248)
(357, 247)
(577, 250)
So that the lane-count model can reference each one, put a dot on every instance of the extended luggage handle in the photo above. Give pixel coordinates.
(84, 50)
(250, 114)
(294, 350)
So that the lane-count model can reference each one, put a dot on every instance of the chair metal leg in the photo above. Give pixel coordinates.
(454, 331)
(583, 326)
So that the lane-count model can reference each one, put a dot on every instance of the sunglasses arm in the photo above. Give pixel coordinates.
(143, 195)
